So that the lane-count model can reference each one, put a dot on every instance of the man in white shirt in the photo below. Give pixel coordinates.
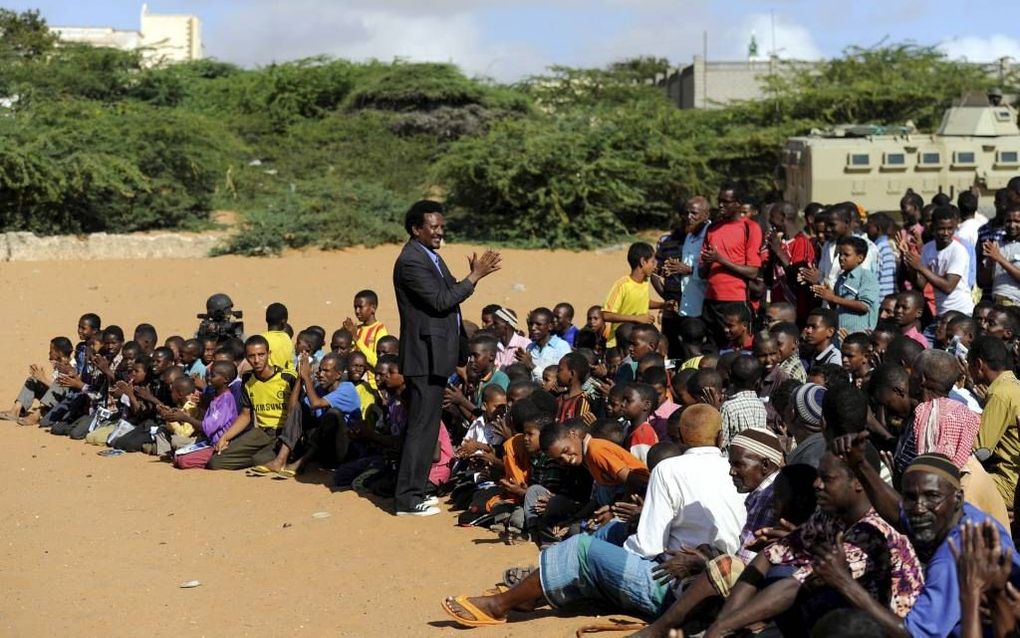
(967, 202)
(690, 501)
(945, 264)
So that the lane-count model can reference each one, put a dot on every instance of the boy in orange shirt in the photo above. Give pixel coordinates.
(610, 465)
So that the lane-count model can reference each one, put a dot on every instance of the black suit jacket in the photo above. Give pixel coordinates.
(429, 306)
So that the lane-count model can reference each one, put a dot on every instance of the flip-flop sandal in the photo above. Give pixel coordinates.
(481, 619)
(285, 474)
(496, 590)
(260, 470)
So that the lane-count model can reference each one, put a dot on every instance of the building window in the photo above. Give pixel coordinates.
(930, 158)
(1007, 157)
(895, 159)
(963, 158)
(858, 160)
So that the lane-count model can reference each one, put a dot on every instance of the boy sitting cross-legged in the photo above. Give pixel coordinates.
(41, 384)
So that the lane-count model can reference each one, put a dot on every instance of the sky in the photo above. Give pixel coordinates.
(509, 41)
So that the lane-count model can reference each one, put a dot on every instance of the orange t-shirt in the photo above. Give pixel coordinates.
(604, 460)
(516, 460)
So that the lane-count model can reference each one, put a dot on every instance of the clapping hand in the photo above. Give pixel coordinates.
(990, 249)
(628, 512)
(524, 357)
(709, 255)
(673, 266)
(501, 428)
(70, 380)
(681, 563)
(37, 373)
(767, 535)
(349, 326)
(823, 292)
(712, 397)
(830, 565)
(484, 265)
(809, 275)
(982, 565)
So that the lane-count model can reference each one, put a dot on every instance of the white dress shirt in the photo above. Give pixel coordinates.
(690, 501)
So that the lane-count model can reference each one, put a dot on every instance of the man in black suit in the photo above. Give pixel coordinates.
(428, 299)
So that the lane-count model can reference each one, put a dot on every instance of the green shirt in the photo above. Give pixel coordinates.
(1000, 434)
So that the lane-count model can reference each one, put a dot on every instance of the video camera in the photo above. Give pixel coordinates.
(220, 320)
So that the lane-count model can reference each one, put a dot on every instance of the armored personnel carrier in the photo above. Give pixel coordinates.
(977, 145)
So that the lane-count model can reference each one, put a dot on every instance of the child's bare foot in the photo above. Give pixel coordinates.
(32, 418)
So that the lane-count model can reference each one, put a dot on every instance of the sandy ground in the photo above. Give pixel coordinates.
(99, 546)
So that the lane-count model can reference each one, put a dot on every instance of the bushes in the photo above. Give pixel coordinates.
(93, 140)
(73, 166)
(326, 214)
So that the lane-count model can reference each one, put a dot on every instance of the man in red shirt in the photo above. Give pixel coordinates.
(730, 257)
(790, 249)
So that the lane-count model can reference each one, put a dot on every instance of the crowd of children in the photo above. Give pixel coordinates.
(814, 430)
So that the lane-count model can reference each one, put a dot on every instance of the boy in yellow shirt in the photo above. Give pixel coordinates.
(368, 332)
(369, 329)
(281, 348)
(181, 432)
(629, 299)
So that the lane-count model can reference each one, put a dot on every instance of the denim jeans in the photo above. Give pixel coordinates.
(584, 567)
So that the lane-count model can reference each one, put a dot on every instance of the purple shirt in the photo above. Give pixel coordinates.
(221, 413)
(658, 419)
(505, 355)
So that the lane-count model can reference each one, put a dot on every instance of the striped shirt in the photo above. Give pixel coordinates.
(886, 267)
(759, 514)
(744, 410)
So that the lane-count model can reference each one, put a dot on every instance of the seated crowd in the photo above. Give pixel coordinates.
(812, 431)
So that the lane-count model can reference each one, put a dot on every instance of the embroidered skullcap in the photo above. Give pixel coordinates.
(508, 316)
(760, 442)
(808, 403)
(937, 464)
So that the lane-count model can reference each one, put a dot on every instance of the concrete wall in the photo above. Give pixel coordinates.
(162, 38)
(706, 85)
(29, 247)
(703, 84)
(174, 38)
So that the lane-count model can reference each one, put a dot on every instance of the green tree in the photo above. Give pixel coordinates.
(24, 36)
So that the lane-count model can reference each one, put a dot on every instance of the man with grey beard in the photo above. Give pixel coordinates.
(931, 511)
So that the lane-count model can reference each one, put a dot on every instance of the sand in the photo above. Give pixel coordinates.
(100, 546)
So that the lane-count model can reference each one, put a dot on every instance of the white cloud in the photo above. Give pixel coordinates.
(263, 31)
(982, 48)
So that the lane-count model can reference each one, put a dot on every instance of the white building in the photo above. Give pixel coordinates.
(160, 37)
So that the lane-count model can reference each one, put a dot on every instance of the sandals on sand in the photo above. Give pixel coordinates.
(481, 619)
(515, 575)
(496, 591)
